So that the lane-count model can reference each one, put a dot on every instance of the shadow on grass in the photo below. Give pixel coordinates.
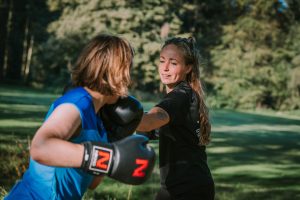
(260, 161)
(251, 156)
(232, 118)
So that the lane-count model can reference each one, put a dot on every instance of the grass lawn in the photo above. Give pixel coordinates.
(252, 156)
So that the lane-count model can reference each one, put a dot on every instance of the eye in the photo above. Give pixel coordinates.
(174, 63)
(161, 61)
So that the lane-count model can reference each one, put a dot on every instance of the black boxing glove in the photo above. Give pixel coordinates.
(122, 118)
(129, 160)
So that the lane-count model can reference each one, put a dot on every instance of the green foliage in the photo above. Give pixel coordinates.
(81, 20)
(251, 48)
(3, 192)
(251, 64)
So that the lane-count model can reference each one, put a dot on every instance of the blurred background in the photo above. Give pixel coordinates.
(250, 48)
(251, 72)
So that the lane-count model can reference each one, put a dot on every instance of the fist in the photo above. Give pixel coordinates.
(122, 118)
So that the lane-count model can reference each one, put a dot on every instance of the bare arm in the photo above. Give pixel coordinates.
(50, 145)
(155, 118)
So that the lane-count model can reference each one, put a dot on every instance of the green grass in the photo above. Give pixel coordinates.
(22, 111)
(252, 155)
(255, 156)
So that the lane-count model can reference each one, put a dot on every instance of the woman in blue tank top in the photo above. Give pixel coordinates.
(100, 76)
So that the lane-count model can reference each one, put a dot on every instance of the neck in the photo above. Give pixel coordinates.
(169, 89)
(99, 99)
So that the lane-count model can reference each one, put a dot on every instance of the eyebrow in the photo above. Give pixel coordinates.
(171, 59)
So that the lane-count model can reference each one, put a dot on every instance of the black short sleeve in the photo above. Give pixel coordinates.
(175, 104)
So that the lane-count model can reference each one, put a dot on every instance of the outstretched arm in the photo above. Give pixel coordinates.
(154, 119)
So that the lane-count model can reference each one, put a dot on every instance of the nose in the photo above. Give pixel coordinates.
(165, 66)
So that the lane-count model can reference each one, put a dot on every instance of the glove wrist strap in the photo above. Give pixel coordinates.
(97, 158)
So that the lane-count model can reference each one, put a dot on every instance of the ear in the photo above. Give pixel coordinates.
(188, 69)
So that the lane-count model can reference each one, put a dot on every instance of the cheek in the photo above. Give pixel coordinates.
(160, 69)
(181, 74)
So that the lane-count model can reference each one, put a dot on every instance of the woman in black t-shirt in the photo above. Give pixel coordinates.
(183, 123)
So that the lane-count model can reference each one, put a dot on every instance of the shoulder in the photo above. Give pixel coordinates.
(77, 96)
(183, 87)
(177, 100)
(182, 92)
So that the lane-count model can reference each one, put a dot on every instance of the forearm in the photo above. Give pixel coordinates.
(154, 119)
(147, 123)
(57, 152)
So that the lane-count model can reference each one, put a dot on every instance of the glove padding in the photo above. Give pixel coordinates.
(129, 160)
(122, 118)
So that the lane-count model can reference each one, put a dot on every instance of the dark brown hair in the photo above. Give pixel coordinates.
(192, 58)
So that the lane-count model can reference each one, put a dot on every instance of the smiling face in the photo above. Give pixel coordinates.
(172, 68)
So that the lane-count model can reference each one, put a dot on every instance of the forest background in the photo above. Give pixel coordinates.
(250, 48)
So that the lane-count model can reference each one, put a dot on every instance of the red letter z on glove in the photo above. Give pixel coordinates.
(129, 160)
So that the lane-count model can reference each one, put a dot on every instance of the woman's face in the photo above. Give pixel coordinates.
(172, 68)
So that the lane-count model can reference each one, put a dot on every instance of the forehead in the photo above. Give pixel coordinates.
(171, 51)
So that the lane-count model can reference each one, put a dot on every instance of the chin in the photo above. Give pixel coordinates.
(167, 82)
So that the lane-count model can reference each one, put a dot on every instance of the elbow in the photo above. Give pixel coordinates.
(35, 153)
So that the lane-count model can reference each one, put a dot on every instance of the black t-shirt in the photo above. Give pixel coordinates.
(183, 162)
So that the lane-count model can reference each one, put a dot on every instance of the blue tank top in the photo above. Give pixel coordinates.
(46, 182)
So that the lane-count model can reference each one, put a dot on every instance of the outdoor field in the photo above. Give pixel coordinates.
(252, 155)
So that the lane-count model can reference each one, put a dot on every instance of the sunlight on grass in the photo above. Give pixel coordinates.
(292, 114)
(5, 123)
(22, 107)
(251, 156)
(30, 95)
(257, 127)
(256, 188)
(259, 170)
(219, 139)
(293, 152)
(272, 147)
(225, 149)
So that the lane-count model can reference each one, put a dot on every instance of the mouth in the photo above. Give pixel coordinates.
(165, 76)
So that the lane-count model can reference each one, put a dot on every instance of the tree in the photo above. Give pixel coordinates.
(251, 63)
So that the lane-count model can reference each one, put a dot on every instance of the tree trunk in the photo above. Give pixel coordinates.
(15, 40)
(28, 59)
(4, 10)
